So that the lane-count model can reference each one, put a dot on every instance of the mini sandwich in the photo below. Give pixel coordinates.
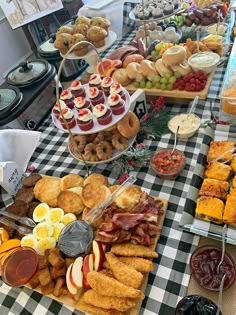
(210, 209)
(229, 216)
(214, 188)
(217, 170)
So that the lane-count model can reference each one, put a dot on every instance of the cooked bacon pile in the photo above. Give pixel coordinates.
(137, 225)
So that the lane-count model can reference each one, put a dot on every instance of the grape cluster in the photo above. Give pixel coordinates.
(159, 49)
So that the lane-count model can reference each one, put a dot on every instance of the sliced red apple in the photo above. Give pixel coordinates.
(88, 265)
(71, 288)
(76, 273)
(99, 255)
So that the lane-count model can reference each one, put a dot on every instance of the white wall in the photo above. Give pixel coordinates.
(14, 48)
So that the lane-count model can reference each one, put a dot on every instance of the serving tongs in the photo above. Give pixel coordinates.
(28, 223)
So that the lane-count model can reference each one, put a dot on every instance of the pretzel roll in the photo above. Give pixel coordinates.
(161, 68)
(134, 71)
(148, 69)
(174, 56)
(183, 68)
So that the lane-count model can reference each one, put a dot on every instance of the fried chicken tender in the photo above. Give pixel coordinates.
(124, 273)
(108, 286)
(133, 250)
(139, 264)
(108, 302)
(91, 309)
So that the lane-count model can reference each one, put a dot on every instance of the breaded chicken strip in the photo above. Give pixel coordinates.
(129, 249)
(111, 287)
(108, 302)
(124, 273)
(91, 309)
(139, 264)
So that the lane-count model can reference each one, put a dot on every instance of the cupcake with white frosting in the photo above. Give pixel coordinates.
(95, 80)
(69, 117)
(68, 98)
(103, 114)
(116, 104)
(77, 89)
(56, 109)
(85, 119)
(106, 84)
(96, 96)
(116, 88)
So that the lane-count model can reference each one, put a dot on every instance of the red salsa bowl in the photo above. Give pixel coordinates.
(203, 265)
(168, 164)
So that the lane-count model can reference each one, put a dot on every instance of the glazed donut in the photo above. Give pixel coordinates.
(119, 142)
(134, 71)
(90, 153)
(104, 150)
(183, 68)
(81, 141)
(129, 125)
(99, 137)
(174, 55)
(161, 68)
(91, 137)
(148, 69)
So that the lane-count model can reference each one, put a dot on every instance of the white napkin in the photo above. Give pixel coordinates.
(18, 145)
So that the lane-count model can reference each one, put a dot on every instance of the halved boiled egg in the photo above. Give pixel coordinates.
(54, 215)
(40, 212)
(57, 230)
(29, 241)
(42, 230)
(46, 243)
(68, 218)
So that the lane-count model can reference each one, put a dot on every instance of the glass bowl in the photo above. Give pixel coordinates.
(196, 304)
(205, 61)
(203, 265)
(20, 267)
(189, 125)
(168, 165)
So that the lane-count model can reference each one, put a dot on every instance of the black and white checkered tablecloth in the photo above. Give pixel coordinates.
(169, 280)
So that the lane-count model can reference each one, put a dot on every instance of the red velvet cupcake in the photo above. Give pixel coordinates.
(81, 102)
(95, 80)
(106, 84)
(96, 96)
(68, 98)
(103, 114)
(116, 88)
(116, 104)
(56, 109)
(77, 89)
(69, 117)
(85, 119)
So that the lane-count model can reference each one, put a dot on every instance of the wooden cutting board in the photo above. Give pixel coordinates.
(67, 300)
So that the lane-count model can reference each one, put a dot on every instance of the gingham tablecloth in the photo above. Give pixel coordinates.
(168, 282)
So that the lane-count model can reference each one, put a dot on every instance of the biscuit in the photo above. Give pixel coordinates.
(96, 179)
(129, 197)
(71, 180)
(94, 194)
(70, 201)
(47, 190)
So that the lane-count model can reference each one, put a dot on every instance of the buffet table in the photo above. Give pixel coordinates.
(168, 282)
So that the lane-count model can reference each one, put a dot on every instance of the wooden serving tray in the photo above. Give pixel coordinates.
(174, 94)
(67, 300)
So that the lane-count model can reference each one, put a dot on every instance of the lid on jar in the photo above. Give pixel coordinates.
(8, 97)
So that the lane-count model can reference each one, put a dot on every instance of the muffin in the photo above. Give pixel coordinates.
(85, 119)
(96, 96)
(65, 29)
(69, 117)
(82, 20)
(56, 109)
(103, 114)
(62, 42)
(81, 28)
(79, 50)
(68, 98)
(95, 80)
(116, 104)
(96, 35)
(100, 22)
(77, 89)
(116, 88)
(81, 102)
(106, 84)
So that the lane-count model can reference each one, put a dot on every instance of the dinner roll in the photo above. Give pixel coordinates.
(96, 179)
(94, 194)
(129, 197)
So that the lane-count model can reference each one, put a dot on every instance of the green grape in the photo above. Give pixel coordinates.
(163, 86)
(136, 84)
(157, 85)
(177, 74)
(154, 53)
(142, 84)
(148, 84)
(170, 86)
(163, 80)
(157, 48)
(156, 79)
(172, 79)
(167, 76)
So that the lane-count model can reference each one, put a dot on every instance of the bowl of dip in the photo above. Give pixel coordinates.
(166, 164)
(203, 265)
(189, 124)
(205, 61)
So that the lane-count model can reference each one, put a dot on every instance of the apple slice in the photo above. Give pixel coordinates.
(71, 288)
(88, 266)
(76, 273)
(99, 255)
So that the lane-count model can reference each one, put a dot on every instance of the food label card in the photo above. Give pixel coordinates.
(11, 177)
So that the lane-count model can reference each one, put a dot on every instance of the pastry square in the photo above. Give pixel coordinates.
(214, 188)
(217, 170)
(210, 209)
(220, 149)
(234, 182)
(232, 191)
(233, 164)
(229, 216)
